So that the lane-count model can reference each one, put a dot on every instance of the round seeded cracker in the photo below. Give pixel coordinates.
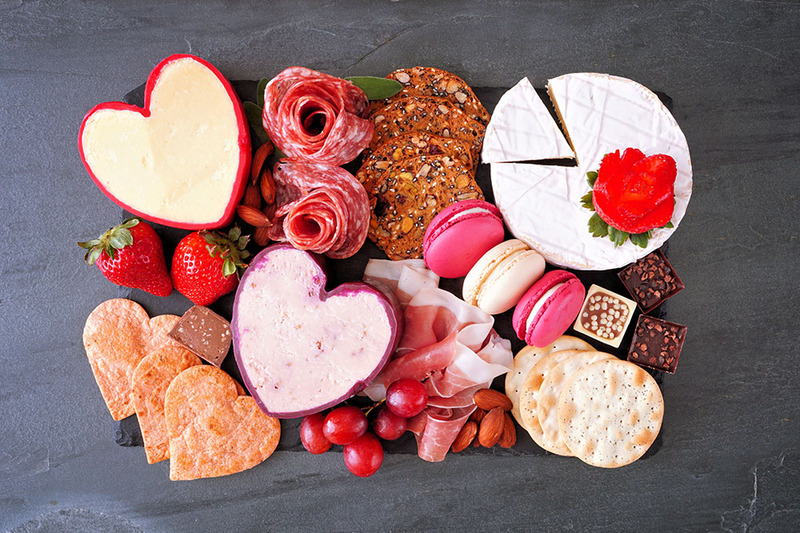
(553, 384)
(527, 357)
(528, 399)
(610, 412)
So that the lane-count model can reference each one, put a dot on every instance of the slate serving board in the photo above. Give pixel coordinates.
(127, 433)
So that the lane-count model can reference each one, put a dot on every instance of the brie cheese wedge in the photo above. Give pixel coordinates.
(522, 129)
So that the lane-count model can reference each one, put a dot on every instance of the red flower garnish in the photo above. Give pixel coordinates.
(634, 193)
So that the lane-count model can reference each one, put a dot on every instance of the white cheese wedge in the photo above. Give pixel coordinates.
(522, 129)
(601, 113)
(179, 163)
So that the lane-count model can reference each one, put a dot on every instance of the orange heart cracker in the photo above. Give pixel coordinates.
(115, 337)
(214, 430)
(151, 378)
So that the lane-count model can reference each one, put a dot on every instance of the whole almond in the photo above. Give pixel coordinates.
(488, 399)
(491, 428)
(253, 216)
(261, 236)
(477, 415)
(259, 158)
(509, 436)
(465, 436)
(267, 186)
(252, 196)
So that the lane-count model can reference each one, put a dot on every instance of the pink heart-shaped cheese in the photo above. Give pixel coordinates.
(300, 348)
(182, 160)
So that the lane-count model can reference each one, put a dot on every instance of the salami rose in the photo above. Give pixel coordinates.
(319, 208)
(316, 117)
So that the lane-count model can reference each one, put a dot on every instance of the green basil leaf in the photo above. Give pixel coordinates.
(591, 177)
(640, 239)
(617, 236)
(376, 88)
(262, 84)
(253, 113)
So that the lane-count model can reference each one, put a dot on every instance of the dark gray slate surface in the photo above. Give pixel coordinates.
(730, 452)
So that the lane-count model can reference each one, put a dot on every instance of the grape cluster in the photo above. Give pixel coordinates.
(348, 426)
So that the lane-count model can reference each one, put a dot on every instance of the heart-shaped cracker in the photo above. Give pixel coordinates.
(117, 336)
(181, 160)
(151, 378)
(214, 430)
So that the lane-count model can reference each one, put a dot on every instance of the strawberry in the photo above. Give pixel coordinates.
(207, 264)
(131, 255)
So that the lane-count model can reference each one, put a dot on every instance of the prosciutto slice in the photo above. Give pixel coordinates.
(319, 208)
(449, 345)
(316, 117)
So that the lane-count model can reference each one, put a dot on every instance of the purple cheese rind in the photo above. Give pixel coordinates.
(393, 316)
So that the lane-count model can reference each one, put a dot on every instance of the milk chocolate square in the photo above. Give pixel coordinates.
(205, 333)
(605, 316)
(657, 344)
(651, 280)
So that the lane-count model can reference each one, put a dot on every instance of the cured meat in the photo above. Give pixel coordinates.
(316, 117)
(320, 208)
(449, 345)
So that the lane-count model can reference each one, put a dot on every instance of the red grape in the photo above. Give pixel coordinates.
(364, 456)
(388, 425)
(406, 397)
(345, 424)
(311, 434)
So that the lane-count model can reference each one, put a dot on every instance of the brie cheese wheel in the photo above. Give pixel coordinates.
(522, 129)
(181, 160)
(600, 113)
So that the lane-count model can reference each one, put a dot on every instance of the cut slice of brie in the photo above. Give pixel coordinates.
(541, 204)
(522, 129)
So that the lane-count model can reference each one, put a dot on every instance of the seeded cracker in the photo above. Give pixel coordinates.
(408, 145)
(214, 430)
(151, 378)
(411, 193)
(429, 81)
(610, 412)
(427, 114)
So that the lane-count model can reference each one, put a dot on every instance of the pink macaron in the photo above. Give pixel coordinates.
(548, 308)
(458, 236)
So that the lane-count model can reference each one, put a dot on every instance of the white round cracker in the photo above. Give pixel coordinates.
(528, 399)
(550, 390)
(610, 412)
(527, 357)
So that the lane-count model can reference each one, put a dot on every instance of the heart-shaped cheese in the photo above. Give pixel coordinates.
(118, 334)
(181, 160)
(301, 349)
(214, 430)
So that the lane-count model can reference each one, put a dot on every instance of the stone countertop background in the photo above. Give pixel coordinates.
(730, 453)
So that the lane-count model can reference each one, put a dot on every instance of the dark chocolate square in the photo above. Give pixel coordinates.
(651, 280)
(204, 333)
(657, 344)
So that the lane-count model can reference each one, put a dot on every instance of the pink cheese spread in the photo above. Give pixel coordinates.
(299, 348)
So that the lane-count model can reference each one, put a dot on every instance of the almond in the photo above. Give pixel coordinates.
(465, 436)
(509, 436)
(477, 415)
(252, 216)
(261, 236)
(267, 186)
(261, 155)
(491, 428)
(488, 399)
(252, 196)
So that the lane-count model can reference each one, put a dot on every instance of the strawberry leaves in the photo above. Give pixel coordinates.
(231, 247)
(114, 239)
